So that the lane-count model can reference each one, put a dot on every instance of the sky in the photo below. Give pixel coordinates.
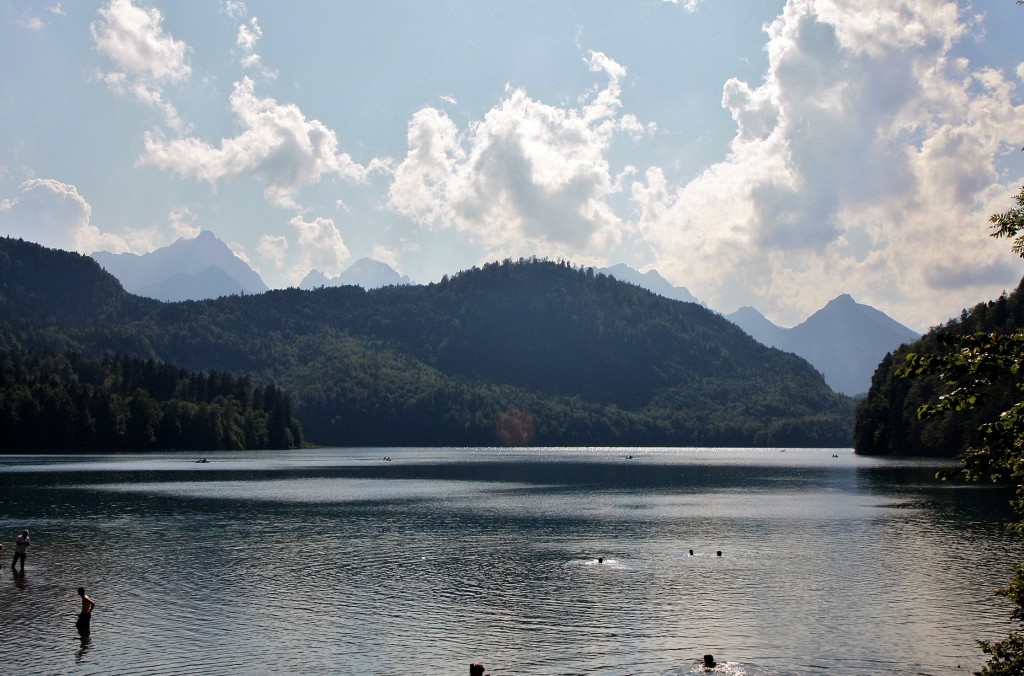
(765, 153)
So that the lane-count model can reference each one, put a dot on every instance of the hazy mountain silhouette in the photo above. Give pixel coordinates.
(845, 340)
(650, 280)
(189, 269)
(365, 272)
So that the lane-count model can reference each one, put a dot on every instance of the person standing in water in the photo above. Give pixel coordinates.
(86, 615)
(20, 549)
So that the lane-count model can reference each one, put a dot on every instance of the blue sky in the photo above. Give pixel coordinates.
(769, 153)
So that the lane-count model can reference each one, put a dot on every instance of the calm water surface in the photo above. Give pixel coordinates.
(338, 561)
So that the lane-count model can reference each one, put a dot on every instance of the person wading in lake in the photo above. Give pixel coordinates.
(83, 618)
(20, 549)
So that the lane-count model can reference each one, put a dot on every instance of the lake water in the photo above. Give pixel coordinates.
(338, 561)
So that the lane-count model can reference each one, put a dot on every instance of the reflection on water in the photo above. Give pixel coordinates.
(534, 562)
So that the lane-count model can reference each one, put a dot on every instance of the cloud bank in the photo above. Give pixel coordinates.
(868, 160)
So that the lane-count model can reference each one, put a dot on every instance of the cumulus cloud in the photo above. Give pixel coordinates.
(273, 248)
(528, 177)
(145, 58)
(869, 156)
(54, 214)
(320, 247)
(278, 145)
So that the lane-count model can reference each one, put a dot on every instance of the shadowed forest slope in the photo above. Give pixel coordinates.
(528, 351)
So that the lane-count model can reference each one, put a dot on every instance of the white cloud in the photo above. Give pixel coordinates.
(183, 223)
(388, 255)
(278, 145)
(234, 9)
(690, 5)
(273, 248)
(54, 214)
(530, 177)
(144, 56)
(866, 161)
(248, 35)
(320, 247)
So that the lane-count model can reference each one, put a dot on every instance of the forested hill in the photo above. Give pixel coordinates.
(887, 422)
(529, 351)
(41, 285)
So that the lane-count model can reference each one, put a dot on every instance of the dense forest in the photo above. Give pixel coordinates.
(887, 422)
(56, 401)
(529, 351)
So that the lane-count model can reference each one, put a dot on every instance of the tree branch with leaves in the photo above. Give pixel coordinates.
(973, 368)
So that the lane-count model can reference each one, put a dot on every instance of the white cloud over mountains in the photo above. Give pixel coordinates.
(529, 177)
(867, 160)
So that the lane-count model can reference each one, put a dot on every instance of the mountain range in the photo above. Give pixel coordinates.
(844, 340)
(189, 269)
(518, 352)
(365, 272)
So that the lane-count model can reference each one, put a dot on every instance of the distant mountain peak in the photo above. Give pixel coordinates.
(842, 299)
(650, 280)
(184, 267)
(368, 273)
(845, 340)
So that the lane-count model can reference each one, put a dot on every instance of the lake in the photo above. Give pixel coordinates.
(340, 561)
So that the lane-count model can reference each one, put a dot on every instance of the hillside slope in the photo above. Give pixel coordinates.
(886, 421)
(563, 355)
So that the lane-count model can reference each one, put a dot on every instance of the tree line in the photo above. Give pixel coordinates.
(56, 401)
